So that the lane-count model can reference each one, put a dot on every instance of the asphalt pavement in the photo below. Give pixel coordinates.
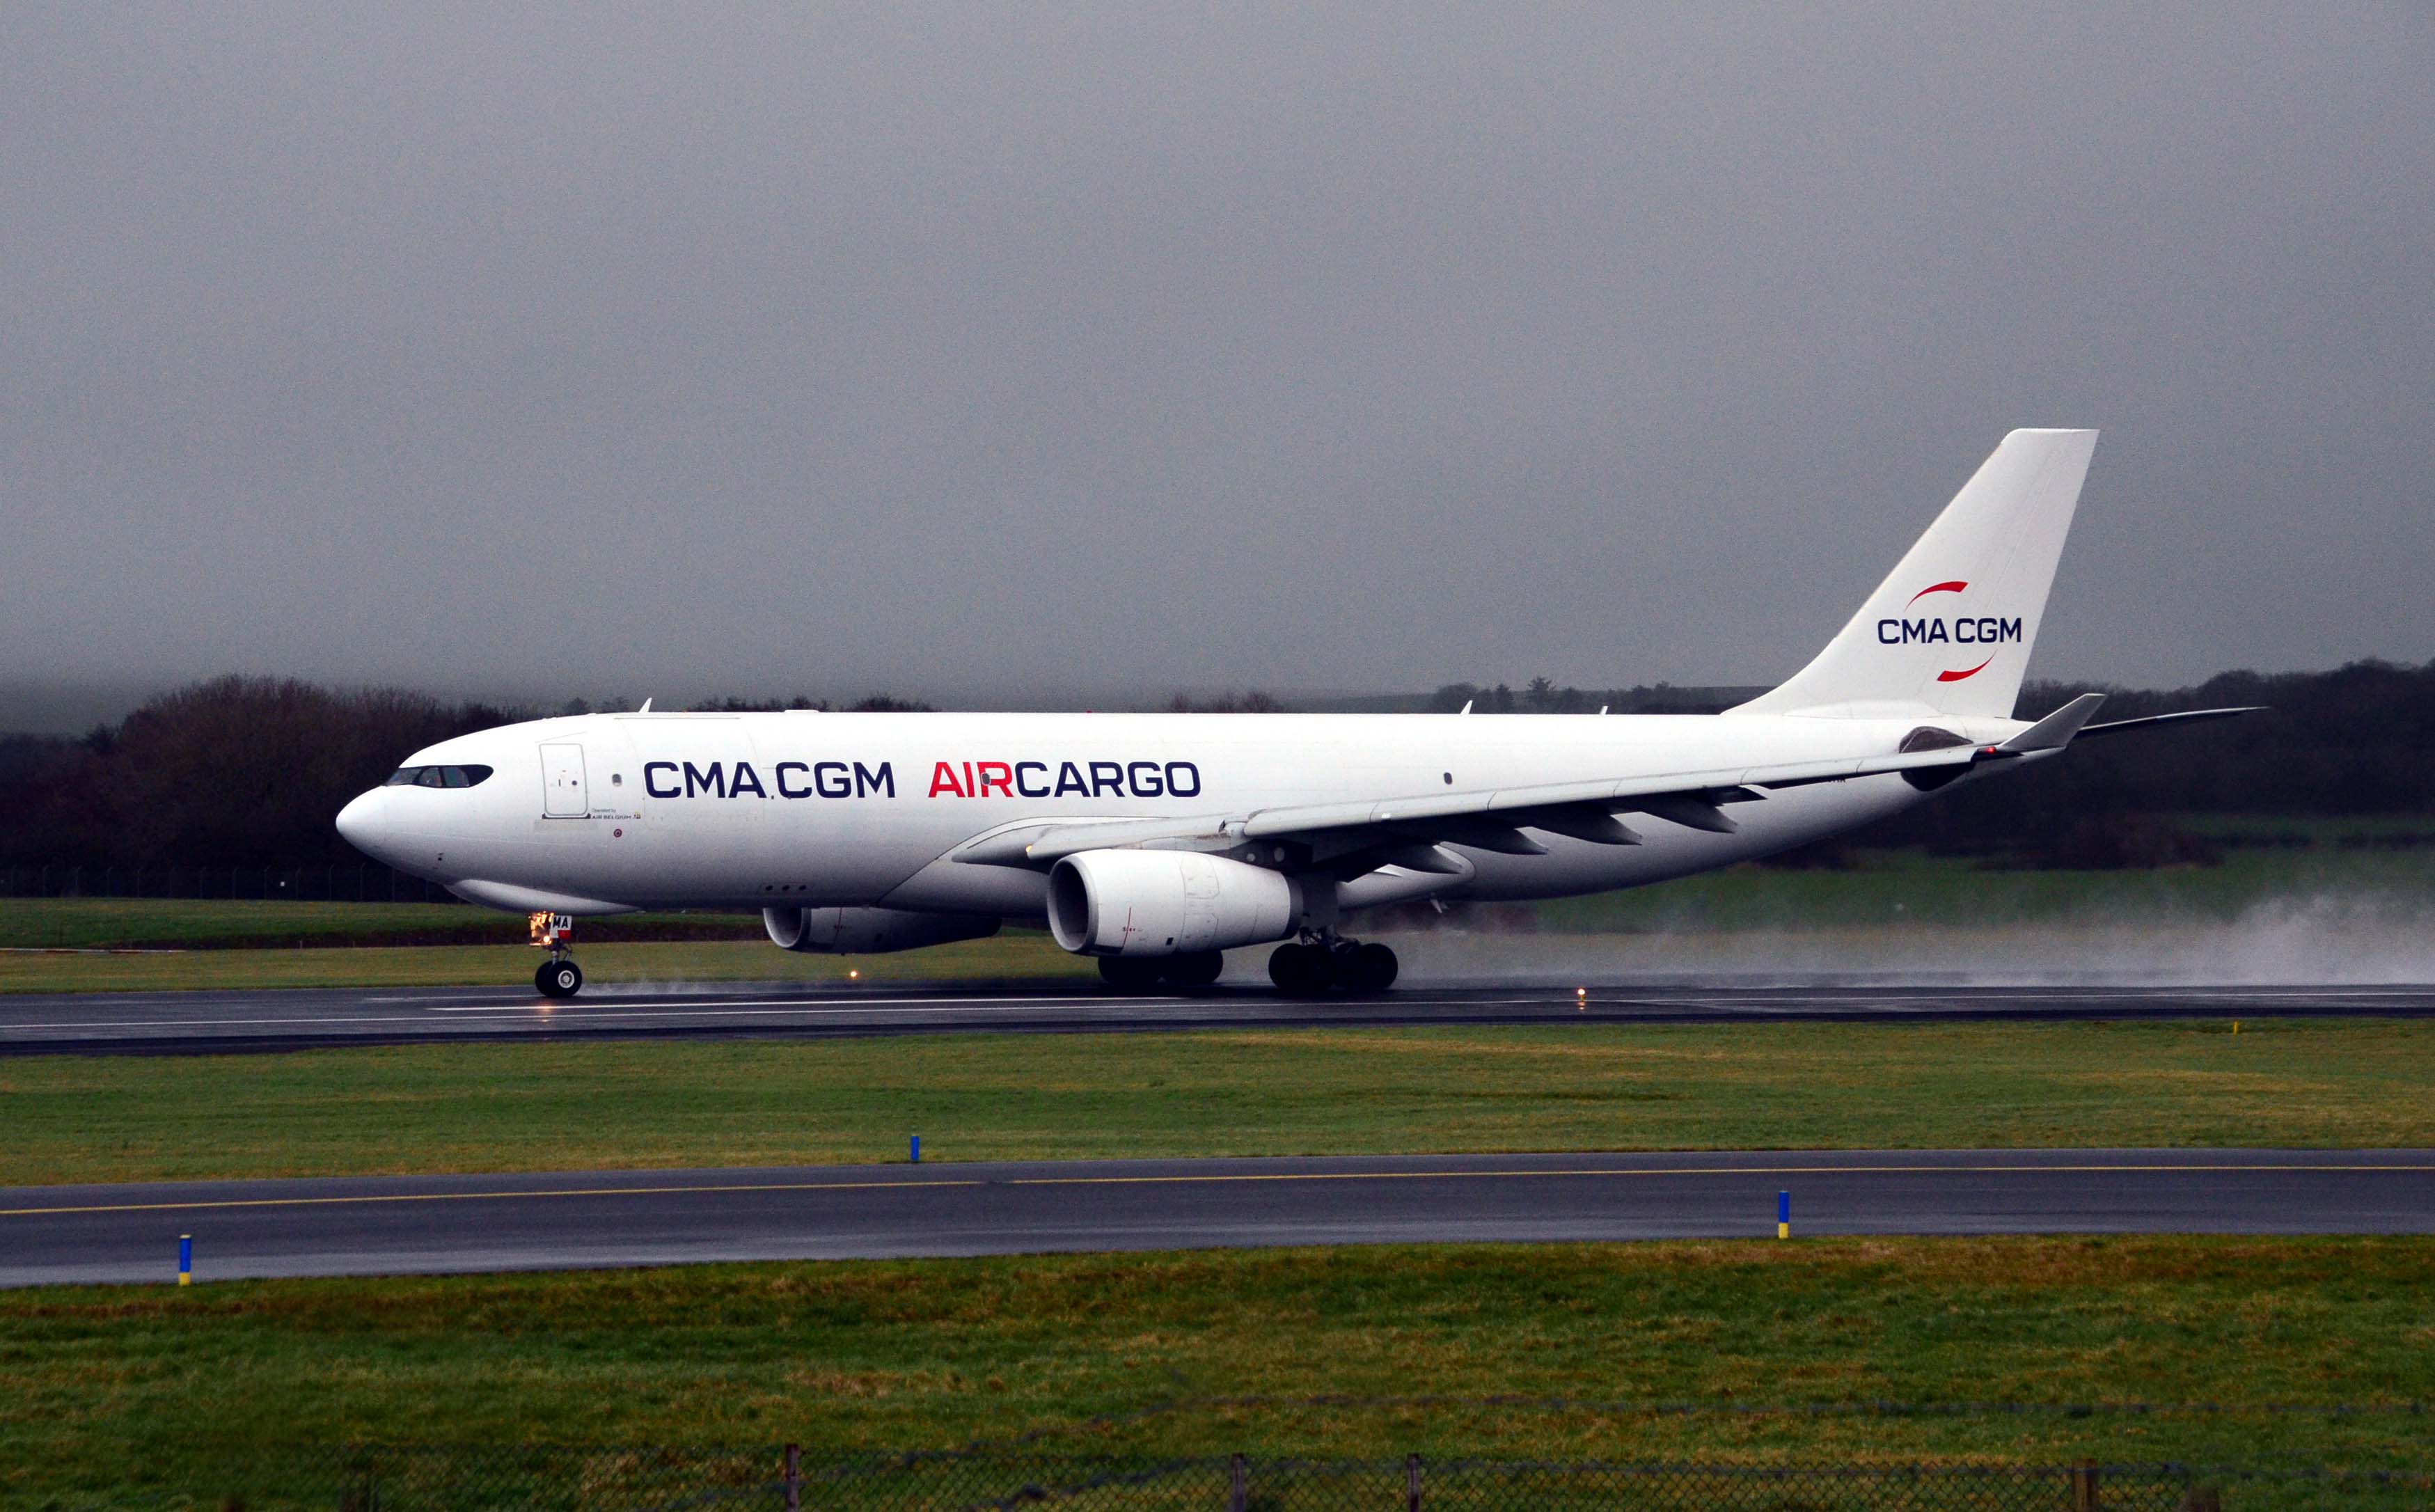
(155, 1023)
(399, 1225)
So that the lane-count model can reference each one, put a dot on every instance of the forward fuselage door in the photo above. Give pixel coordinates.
(563, 794)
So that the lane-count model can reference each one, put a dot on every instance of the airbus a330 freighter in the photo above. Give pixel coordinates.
(1153, 842)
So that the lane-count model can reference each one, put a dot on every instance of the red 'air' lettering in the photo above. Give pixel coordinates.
(998, 775)
(942, 779)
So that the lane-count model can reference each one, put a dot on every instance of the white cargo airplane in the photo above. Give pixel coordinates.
(1153, 842)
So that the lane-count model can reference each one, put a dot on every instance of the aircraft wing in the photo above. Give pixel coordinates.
(1404, 831)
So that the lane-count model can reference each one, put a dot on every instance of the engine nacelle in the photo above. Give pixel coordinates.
(868, 931)
(1166, 903)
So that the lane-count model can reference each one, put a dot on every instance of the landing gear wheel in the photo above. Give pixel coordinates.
(558, 979)
(1200, 968)
(1130, 972)
(1299, 970)
(1364, 968)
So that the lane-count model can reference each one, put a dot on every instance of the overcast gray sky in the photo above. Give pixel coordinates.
(984, 350)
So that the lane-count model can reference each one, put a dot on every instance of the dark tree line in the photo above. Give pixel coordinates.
(248, 771)
(2352, 741)
(238, 771)
(1541, 696)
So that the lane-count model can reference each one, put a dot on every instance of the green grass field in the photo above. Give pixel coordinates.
(207, 1390)
(2351, 1083)
(1901, 889)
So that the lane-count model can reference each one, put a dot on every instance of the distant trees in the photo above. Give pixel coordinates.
(877, 703)
(1250, 701)
(238, 771)
(2351, 741)
(1541, 696)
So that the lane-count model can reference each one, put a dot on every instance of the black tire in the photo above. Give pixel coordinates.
(1370, 968)
(1198, 969)
(1299, 970)
(1130, 973)
(558, 979)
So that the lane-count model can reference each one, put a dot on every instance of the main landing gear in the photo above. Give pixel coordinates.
(559, 976)
(1331, 961)
(1141, 973)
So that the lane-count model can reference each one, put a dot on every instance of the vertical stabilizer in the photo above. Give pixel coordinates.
(1951, 630)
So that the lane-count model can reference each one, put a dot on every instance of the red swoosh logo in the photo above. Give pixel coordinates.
(1939, 587)
(1956, 676)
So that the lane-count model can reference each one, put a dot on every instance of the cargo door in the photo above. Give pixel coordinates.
(564, 795)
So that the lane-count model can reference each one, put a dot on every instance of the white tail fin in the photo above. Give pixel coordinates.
(1951, 630)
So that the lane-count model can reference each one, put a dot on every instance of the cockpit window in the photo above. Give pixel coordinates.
(438, 776)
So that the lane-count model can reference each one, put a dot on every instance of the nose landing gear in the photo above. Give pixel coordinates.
(559, 976)
(1331, 961)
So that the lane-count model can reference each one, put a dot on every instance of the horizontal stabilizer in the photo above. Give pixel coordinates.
(2055, 731)
(2191, 717)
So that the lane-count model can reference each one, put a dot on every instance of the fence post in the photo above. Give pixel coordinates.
(2084, 1488)
(1238, 1486)
(794, 1478)
(1411, 1482)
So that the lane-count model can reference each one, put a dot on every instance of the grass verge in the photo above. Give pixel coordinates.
(2347, 1083)
(1319, 1353)
(1906, 888)
(1014, 956)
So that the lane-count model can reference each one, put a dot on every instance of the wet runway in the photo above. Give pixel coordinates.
(189, 1022)
(396, 1224)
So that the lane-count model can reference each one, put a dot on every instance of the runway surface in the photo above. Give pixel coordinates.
(393, 1225)
(185, 1022)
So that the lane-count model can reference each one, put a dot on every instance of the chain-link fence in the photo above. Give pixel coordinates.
(366, 1478)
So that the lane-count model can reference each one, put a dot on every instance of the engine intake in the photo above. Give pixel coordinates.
(1166, 903)
(867, 931)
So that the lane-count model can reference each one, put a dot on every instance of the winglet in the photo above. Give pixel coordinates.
(2055, 731)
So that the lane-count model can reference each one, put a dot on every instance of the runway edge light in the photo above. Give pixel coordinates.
(1784, 1215)
(185, 1260)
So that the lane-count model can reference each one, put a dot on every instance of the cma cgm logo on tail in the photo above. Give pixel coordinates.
(1968, 631)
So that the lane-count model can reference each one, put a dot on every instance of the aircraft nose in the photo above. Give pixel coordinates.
(360, 823)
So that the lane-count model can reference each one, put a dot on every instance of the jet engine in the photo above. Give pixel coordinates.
(868, 931)
(1166, 903)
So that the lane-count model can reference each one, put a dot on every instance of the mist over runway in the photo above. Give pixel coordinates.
(554, 1220)
(171, 1023)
